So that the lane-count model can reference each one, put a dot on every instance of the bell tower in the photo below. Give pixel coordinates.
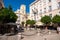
(23, 9)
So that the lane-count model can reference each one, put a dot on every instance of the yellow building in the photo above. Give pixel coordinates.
(21, 13)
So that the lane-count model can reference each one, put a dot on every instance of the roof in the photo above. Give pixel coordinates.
(34, 2)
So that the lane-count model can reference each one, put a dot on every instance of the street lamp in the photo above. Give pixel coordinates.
(19, 26)
(35, 18)
(35, 12)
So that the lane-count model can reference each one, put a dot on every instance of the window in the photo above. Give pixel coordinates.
(49, 0)
(50, 8)
(44, 10)
(23, 18)
(40, 4)
(32, 10)
(44, 1)
(37, 17)
(59, 12)
(31, 15)
(18, 21)
(59, 5)
(50, 15)
(40, 11)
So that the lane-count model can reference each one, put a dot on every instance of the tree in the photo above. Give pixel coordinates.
(30, 22)
(46, 20)
(7, 15)
(22, 23)
(56, 19)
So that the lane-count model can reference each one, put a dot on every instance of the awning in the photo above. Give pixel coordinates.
(39, 23)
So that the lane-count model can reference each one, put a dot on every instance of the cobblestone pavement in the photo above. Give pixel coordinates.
(40, 36)
(32, 35)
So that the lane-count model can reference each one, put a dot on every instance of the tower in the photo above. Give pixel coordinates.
(23, 9)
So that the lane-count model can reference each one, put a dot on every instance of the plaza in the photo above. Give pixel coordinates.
(32, 35)
(31, 24)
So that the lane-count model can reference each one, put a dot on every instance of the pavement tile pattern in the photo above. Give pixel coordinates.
(32, 35)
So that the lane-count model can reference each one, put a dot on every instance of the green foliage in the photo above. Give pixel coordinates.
(28, 21)
(7, 15)
(56, 19)
(22, 24)
(46, 19)
(31, 22)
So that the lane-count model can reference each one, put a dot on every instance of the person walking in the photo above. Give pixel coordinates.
(58, 29)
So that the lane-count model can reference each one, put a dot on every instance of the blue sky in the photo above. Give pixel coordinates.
(16, 4)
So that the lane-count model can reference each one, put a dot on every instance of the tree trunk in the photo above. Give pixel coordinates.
(30, 28)
(26, 26)
(46, 27)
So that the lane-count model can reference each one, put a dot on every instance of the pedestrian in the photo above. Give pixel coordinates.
(58, 29)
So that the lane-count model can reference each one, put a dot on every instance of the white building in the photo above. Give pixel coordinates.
(44, 7)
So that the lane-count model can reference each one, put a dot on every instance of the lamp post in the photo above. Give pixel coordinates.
(19, 27)
(25, 18)
(35, 18)
(35, 12)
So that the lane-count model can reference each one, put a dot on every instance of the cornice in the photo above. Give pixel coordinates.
(34, 2)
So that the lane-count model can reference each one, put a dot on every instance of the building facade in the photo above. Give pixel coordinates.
(28, 16)
(40, 8)
(1, 4)
(18, 14)
(21, 13)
